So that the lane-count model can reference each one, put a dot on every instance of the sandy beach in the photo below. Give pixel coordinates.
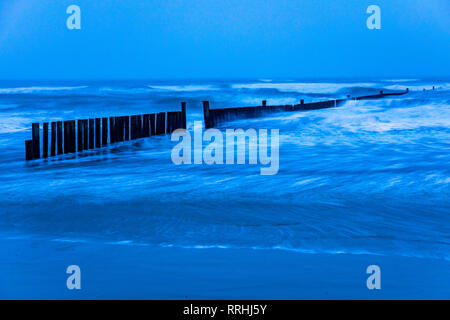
(36, 269)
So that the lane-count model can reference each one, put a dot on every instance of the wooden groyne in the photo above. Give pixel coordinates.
(76, 136)
(214, 117)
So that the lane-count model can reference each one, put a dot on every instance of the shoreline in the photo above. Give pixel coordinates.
(36, 269)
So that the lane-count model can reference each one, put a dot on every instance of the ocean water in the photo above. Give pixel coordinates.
(368, 177)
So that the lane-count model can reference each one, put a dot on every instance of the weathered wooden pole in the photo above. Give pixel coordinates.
(73, 138)
(36, 143)
(59, 138)
(53, 140)
(170, 116)
(29, 150)
(133, 127)
(98, 133)
(104, 131)
(85, 135)
(127, 127)
(183, 115)
(45, 140)
(139, 126)
(111, 130)
(66, 137)
(160, 123)
(206, 114)
(121, 128)
(91, 133)
(152, 124)
(146, 125)
(80, 135)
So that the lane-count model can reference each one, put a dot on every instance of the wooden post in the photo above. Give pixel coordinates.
(85, 135)
(183, 115)
(98, 133)
(170, 116)
(36, 142)
(381, 92)
(160, 123)
(104, 131)
(29, 150)
(66, 137)
(45, 140)
(133, 127)
(152, 124)
(53, 140)
(111, 130)
(73, 139)
(139, 126)
(264, 103)
(127, 127)
(302, 101)
(59, 137)
(206, 114)
(80, 135)
(121, 128)
(91, 133)
(146, 125)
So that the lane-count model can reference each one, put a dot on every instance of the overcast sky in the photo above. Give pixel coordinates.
(223, 39)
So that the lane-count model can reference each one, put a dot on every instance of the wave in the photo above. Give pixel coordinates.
(419, 87)
(184, 88)
(26, 90)
(303, 87)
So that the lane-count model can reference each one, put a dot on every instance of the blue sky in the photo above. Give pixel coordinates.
(223, 39)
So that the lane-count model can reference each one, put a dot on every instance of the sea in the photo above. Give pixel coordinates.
(367, 177)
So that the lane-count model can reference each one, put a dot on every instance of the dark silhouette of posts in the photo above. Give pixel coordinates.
(120, 128)
(152, 125)
(80, 135)
(139, 126)
(98, 133)
(133, 124)
(127, 127)
(111, 130)
(69, 136)
(91, 133)
(160, 123)
(183, 115)
(66, 137)
(146, 125)
(29, 150)
(85, 135)
(264, 103)
(59, 141)
(170, 120)
(36, 144)
(206, 114)
(45, 140)
(53, 140)
(73, 140)
(104, 131)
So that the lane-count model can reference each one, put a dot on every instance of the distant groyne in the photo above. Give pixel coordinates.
(62, 137)
(214, 117)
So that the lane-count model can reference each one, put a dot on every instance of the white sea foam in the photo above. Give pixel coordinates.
(419, 87)
(182, 88)
(25, 90)
(303, 87)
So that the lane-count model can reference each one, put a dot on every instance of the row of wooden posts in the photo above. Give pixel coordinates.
(93, 133)
(214, 117)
